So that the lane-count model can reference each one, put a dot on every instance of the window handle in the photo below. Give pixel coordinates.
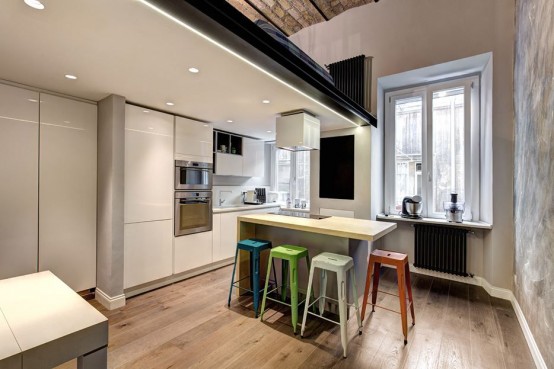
(429, 177)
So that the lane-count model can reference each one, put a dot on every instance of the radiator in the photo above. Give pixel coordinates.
(351, 77)
(441, 248)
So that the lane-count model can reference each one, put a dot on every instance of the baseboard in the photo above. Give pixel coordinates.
(109, 302)
(501, 293)
(535, 352)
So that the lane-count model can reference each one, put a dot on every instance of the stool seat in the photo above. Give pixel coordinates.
(389, 257)
(288, 252)
(252, 244)
(332, 262)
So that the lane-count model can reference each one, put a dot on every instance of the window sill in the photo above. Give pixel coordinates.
(444, 222)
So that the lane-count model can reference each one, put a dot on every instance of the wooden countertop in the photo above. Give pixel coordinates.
(358, 229)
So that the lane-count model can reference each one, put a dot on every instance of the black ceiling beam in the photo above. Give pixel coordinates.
(319, 10)
(259, 11)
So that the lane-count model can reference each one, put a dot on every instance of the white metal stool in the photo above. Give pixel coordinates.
(339, 264)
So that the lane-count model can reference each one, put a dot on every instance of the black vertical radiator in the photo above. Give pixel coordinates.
(443, 249)
(349, 77)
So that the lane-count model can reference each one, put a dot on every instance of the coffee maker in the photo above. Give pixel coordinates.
(411, 207)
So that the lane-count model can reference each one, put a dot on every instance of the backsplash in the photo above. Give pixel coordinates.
(534, 169)
(231, 195)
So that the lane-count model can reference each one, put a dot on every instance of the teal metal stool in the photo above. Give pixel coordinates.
(290, 255)
(254, 247)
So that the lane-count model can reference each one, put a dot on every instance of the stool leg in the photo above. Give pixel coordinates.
(341, 288)
(256, 280)
(284, 279)
(274, 273)
(367, 284)
(294, 294)
(308, 264)
(233, 278)
(376, 274)
(310, 281)
(402, 298)
(269, 263)
(322, 291)
(409, 287)
(355, 296)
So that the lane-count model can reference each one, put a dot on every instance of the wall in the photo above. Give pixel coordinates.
(534, 169)
(402, 35)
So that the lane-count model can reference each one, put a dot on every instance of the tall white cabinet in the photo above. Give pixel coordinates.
(148, 214)
(67, 190)
(19, 112)
(193, 140)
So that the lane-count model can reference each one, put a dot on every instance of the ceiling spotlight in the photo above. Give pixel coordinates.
(265, 101)
(205, 125)
(194, 70)
(35, 4)
(169, 103)
(70, 76)
(32, 100)
(268, 131)
(229, 121)
(146, 111)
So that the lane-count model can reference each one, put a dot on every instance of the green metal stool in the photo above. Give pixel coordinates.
(290, 255)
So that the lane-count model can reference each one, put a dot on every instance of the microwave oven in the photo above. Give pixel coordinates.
(192, 175)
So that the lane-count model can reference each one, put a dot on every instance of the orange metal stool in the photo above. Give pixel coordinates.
(400, 261)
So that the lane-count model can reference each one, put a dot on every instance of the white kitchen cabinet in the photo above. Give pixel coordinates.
(19, 112)
(216, 238)
(193, 140)
(149, 165)
(228, 164)
(148, 248)
(253, 155)
(67, 191)
(192, 251)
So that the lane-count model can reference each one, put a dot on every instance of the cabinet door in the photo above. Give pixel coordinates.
(19, 111)
(148, 252)
(216, 238)
(253, 153)
(228, 164)
(67, 211)
(192, 251)
(228, 234)
(149, 165)
(193, 140)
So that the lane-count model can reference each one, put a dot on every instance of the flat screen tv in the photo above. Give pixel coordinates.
(336, 168)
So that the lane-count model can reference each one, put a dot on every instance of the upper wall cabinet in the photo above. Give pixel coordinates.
(19, 112)
(253, 163)
(148, 165)
(67, 191)
(193, 140)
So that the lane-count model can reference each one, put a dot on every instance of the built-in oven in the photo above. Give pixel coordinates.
(192, 175)
(193, 212)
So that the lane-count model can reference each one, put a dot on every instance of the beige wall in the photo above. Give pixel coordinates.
(403, 35)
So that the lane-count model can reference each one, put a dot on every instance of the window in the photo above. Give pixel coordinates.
(291, 174)
(428, 132)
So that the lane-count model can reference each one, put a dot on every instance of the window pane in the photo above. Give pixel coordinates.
(448, 146)
(408, 148)
(302, 175)
(283, 171)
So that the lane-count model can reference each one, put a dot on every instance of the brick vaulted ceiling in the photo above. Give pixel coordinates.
(290, 16)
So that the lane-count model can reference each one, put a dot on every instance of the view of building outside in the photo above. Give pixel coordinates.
(292, 172)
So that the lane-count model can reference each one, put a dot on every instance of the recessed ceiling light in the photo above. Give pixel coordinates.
(268, 131)
(35, 4)
(169, 103)
(32, 100)
(205, 125)
(194, 70)
(229, 121)
(265, 101)
(70, 76)
(67, 122)
(150, 127)
(146, 111)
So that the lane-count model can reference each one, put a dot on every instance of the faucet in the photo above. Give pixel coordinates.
(221, 201)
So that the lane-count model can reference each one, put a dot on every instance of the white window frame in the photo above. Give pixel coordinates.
(471, 144)
(274, 174)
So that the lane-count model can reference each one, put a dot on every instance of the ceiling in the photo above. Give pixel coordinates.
(290, 16)
(124, 47)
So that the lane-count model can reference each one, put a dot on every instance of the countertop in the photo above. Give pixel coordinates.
(359, 229)
(444, 222)
(243, 207)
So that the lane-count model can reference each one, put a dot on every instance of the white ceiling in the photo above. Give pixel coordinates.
(124, 47)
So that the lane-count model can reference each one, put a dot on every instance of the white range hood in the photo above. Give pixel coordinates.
(297, 132)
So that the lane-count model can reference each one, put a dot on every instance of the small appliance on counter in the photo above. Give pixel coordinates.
(411, 207)
(260, 195)
(254, 197)
(454, 210)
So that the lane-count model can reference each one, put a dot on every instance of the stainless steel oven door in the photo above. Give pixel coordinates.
(193, 212)
(191, 175)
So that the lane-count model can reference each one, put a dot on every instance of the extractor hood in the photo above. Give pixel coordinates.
(297, 131)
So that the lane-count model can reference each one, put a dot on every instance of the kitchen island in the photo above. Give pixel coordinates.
(346, 236)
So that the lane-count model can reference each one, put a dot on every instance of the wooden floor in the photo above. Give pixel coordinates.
(188, 325)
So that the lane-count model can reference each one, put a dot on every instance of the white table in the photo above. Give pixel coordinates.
(44, 323)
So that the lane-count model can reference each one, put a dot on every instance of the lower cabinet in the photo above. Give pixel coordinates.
(148, 252)
(192, 251)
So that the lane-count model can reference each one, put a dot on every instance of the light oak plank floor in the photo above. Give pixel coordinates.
(188, 325)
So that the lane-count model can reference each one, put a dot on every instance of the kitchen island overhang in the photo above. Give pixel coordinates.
(346, 236)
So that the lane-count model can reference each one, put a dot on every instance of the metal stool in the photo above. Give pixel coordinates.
(290, 256)
(400, 261)
(254, 247)
(339, 264)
